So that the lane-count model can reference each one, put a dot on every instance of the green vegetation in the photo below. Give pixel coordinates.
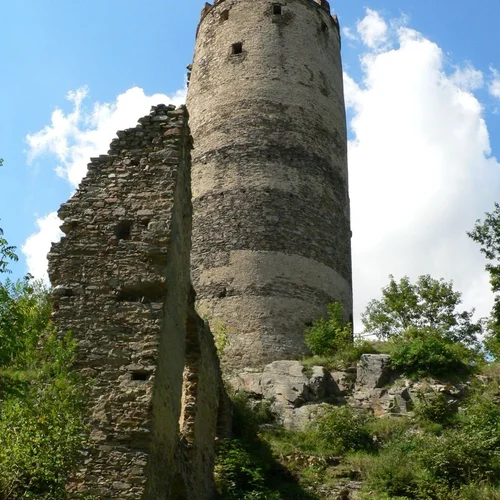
(419, 325)
(426, 334)
(41, 400)
(438, 453)
(487, 234)
(332, 342)
(245, 467)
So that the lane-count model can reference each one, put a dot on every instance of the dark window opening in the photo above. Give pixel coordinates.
(122, 230)
(224, 16)
(237, 48)
(324, 27)
(140, 375)
(277, 10)
(144, 292)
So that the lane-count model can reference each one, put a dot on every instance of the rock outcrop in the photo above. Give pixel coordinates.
(298, 394)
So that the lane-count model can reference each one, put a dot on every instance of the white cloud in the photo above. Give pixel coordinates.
(346, 31)
(372, 29)
(37, 246)
(73, 138)
(420, 170)
(467, 77)
(494, 86)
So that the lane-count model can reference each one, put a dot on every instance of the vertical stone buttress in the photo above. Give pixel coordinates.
(271, 227)
(122, 286)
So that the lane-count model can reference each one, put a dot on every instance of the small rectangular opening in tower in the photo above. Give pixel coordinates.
(277, 10)
(141, 376)
(224, 16)
(237, 48)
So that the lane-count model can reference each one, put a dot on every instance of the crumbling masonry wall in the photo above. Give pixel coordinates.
(122, 285)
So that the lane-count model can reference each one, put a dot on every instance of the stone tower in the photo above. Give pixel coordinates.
(271, 228)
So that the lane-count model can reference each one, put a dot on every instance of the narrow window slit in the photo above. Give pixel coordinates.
(224, 16)
(140, 375)
(237, 48)
(277, 10)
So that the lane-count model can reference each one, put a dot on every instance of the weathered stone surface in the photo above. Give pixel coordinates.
(271, 230)
(344, 381)
(286, 382)
(300, 418)
(373, 371)
(121, 281)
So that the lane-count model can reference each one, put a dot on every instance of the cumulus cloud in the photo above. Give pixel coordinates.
(494, 86)
(421, 170)
(467, 77)
(76, 136)
(372, 29)
(37, 246)
(73, 138)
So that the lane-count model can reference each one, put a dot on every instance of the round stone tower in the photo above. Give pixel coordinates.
(271, 228)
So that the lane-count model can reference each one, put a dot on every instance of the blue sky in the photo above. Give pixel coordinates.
(423, 97)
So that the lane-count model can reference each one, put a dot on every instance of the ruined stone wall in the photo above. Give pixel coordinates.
(271, 229)
(122, 285)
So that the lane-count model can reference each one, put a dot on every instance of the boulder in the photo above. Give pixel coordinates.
(373, 371)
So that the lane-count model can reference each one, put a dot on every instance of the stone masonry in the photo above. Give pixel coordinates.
(271, 226)
(121, 279)
(271, 247)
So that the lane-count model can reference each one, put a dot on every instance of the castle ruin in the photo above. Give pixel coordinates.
(269, 210)
(271, 225)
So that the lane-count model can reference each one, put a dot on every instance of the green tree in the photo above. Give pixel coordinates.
(7, 252)
(487, 234)
(24, 317)
(427, 304)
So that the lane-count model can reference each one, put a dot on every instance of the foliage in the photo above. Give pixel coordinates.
(331, 340)
(487, 234)
(427, 334)
(342, 429)
(426, 351)
(24, 315)
(415, 464)
(41, 399)
(221, 335)
(245, 467)
(434, 409)
(238, 476)
(427, 304)
(329, 335)
(7, 252)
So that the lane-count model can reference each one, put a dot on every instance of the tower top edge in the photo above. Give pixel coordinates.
(322, 4)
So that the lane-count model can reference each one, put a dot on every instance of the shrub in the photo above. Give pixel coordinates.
(42, 429)
(237, 475)
(327, 336)
(342, 429)
(24, 315)
(420, 352)
(434, 408)
(391, 473)
(384, 430)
